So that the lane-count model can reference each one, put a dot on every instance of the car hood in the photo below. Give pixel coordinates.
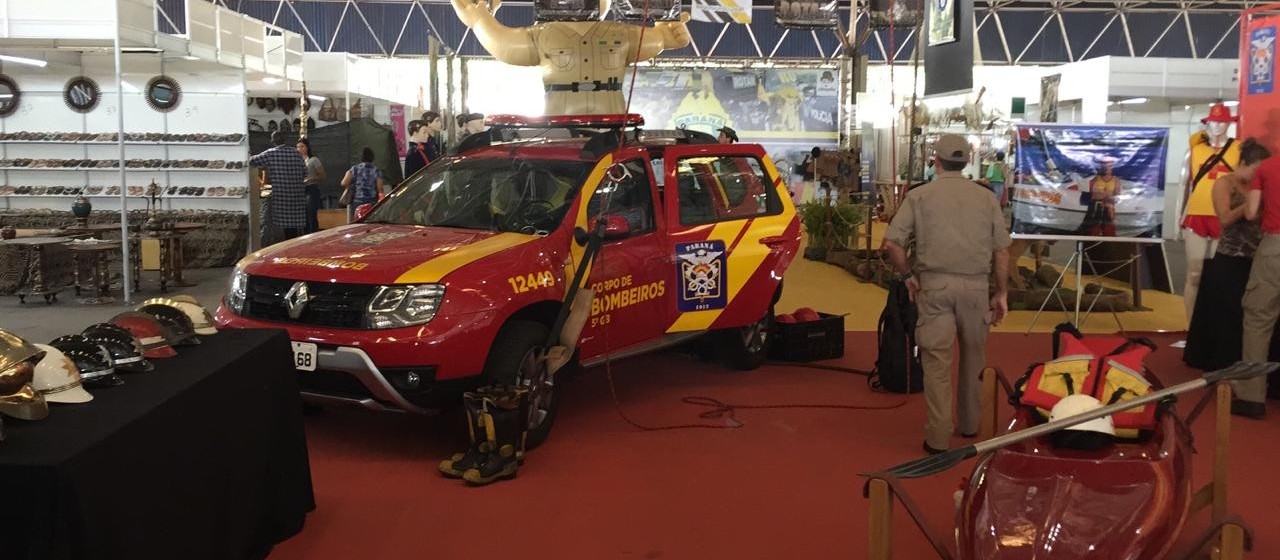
(379, 253)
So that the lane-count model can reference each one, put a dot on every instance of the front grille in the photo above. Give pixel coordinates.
(331, 305)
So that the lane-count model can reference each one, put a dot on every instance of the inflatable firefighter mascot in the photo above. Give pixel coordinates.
(1212, 154)
(583, 62)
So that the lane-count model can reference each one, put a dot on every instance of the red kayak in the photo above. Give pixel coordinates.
(1033, 500)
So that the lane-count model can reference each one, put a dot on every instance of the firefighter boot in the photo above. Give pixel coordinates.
(457, 465)
(506, 417)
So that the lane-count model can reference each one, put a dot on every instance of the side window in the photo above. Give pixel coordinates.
(631, 197)
(723, 188)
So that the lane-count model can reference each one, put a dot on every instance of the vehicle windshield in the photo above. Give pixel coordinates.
(497, 194)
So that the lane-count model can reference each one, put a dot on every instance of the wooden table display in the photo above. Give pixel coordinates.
(98, 256)
(31, 278)
(171, 261)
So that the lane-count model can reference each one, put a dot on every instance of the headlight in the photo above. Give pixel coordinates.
(236, 293)
(404, 306)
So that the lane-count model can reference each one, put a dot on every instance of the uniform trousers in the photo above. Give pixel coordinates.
(952, 307)
(1261, 310)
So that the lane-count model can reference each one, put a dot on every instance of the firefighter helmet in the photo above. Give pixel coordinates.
(57, 379)
(1089, 435)
(17, 369)
(175, 319)
(201, 319)
(126, 352)
(93, 361)
(156, 338)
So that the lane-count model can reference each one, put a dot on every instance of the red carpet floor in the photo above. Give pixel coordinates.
(785, 485)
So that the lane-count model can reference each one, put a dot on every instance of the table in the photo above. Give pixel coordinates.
(202, 459)
(172, 261)
(99, 257)
(34, 283)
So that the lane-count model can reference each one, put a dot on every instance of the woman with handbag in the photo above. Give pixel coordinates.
(315, 176)
(361, 185)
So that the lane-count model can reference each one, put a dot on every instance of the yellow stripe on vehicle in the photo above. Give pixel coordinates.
(746, 258)
(588, 190)
(437, 268)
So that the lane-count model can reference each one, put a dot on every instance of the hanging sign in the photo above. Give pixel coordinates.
(942, 21)
(1091, 181)
(645, 10)
(1258, 96)
(398, 128)
(1049, 97)
(806, 14)
(721, 11)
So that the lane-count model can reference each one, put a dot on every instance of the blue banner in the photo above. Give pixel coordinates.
(1262, 60)
(1089, 180)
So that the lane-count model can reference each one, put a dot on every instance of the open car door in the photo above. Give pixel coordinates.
(733, 230)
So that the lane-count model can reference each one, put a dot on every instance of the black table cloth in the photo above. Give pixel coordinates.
(203, 458)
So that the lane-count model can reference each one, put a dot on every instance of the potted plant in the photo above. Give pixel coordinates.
(829, 228)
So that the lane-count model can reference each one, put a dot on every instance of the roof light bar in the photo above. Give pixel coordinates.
(566, 121)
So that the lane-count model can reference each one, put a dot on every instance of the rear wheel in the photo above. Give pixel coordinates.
(513, 361)
(745, 348)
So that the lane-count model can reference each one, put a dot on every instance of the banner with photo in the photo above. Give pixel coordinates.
(788, 110)
(721, 11)
(942, 21)
(1093, 181)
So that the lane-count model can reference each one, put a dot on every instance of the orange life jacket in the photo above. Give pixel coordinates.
(1109, 369)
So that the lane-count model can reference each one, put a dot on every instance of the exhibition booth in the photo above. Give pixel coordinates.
(566, 237)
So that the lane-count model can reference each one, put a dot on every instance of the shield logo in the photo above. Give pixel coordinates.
(295, 300)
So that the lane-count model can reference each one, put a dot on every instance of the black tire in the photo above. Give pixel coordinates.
(517, 342)
(746, 348)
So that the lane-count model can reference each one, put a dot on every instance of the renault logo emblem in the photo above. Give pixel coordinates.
(295, 300)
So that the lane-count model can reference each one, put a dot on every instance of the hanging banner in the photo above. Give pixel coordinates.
(721, 11)
(1049, 98)
(942, 21)
(398, 128)
(1258, 96)
(806, 14)
(1090, 181)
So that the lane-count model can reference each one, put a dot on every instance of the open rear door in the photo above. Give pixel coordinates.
(732, 229)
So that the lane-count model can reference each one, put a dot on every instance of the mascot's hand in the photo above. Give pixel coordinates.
(675, 34)
(471, 11)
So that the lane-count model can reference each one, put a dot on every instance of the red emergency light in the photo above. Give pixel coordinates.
(566, 121)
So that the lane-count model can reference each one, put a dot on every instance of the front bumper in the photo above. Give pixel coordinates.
(414, 376)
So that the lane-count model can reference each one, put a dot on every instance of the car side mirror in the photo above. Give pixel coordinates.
(363, 210)
(616, 227)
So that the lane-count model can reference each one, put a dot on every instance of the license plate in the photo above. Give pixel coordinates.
(304, 356)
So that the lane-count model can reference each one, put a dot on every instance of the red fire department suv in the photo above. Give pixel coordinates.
(456, 276)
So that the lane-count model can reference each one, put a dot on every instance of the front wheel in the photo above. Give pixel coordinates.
(745, 348)
(513, 361)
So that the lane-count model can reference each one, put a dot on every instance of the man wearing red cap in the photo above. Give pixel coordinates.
(1213, 153)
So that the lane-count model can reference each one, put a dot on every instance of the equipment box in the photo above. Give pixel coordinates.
(806, 342)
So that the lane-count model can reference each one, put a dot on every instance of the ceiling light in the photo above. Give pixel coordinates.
(24, 60)
(271, 80)
(189, 57)
(315, 97)
(1230, 103)
(1133, 101)
(142, 50)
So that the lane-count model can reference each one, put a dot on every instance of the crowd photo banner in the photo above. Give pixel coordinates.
(1090, 181)
(789, 111)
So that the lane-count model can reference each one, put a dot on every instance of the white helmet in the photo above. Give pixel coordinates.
(58, 379)
(1072, 405)
(1093, 435)
(200, 317)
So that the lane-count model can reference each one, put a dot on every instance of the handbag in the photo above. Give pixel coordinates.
(357, 109)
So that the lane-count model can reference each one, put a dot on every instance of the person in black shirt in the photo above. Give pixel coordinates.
(435, 125)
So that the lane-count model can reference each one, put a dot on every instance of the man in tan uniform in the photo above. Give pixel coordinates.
(959, 231)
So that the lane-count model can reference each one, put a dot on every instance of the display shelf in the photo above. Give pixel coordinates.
(117, 169)
(114, 143)
(116, 196)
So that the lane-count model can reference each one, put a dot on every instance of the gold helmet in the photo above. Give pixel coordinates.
(200, 317)
(17, 368)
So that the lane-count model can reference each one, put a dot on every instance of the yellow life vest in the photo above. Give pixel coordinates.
(1200, 202)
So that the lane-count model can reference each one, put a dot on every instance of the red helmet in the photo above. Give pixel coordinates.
(1218, 113)
(157, 339)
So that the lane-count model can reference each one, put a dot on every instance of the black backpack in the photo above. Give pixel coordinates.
(898, 368)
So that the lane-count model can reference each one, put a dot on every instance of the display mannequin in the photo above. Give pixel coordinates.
(415, 157)
(1212, 153)
(583, 62)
